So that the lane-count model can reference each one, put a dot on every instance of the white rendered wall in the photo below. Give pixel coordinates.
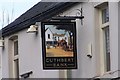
(30, 55)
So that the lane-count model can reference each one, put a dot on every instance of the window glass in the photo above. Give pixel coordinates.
(105, 15)
(107, 43)
(16, 62)
(48, 36)
(15, 47)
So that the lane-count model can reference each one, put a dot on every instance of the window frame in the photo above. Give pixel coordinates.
(103, 41)
(13, 57)
(102, 9)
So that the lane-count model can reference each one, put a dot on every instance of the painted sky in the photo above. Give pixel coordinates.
(12, 9)
(54, 30)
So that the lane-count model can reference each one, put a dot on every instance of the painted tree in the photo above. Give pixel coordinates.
(68, 28)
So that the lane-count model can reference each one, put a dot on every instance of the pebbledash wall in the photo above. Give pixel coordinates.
(30, 46)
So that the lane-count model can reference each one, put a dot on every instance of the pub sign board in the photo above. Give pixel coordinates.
(59, 45)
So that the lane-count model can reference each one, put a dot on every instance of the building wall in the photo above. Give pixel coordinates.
(85, 36)
(30, 55)
(113, 21)
(30, 47)
(5, 69)
(119, 38)
(113, 24)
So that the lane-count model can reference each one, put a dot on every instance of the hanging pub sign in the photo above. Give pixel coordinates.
(59, 45)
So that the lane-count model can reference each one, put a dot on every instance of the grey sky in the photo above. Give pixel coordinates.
(13, 9)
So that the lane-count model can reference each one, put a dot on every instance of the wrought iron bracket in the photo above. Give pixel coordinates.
(79, 15)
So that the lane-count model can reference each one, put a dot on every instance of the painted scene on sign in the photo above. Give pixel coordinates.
(59, 40)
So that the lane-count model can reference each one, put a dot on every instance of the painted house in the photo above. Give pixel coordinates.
(50, 41)
(49, 35)
(22, 51)
(52, 37)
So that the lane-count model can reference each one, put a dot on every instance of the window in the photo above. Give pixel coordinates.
(107, 47)
(15, 48)
(16, 59)
(55, 38)
(48, 36)
(16, 65)
(13, 57)
(105, 15)
(106, 36)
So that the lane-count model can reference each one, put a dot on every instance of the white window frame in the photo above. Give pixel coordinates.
(15, 57)
(102, 42)
(12, 57)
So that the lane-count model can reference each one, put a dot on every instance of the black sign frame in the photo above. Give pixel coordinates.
(63, 61)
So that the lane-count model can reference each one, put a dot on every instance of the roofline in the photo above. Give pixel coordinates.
(6, 31)
(50, 30)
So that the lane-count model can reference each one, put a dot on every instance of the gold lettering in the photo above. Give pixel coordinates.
(57, 64)
(72, 59)
(47, 60)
